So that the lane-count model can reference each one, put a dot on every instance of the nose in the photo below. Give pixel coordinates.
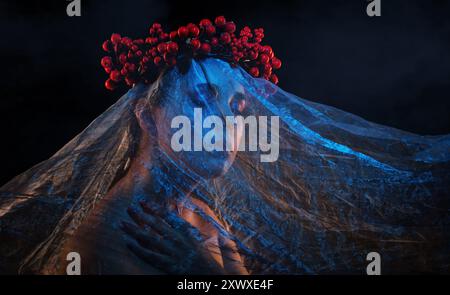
(230, 106)
(221, 106)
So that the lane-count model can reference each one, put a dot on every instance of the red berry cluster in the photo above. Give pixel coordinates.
(140, 60)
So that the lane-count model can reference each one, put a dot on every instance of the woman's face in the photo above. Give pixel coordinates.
(203, 100)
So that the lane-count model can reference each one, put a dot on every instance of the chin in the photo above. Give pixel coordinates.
(212, 167)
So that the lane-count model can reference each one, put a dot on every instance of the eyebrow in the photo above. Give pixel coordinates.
(212, 89)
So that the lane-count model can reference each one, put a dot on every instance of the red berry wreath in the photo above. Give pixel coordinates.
(140, 60)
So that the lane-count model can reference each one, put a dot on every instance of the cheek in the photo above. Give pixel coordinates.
(162, 122)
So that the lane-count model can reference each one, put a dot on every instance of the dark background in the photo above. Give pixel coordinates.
(393, 69)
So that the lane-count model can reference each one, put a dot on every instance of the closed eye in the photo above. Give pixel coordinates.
(204, 94)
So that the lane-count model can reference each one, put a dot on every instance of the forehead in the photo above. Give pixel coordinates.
(217, 73)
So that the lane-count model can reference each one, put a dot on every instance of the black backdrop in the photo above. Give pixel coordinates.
(393, 69)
